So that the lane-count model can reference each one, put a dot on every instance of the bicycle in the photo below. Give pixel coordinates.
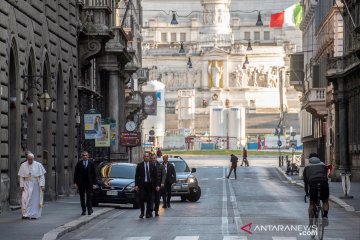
(318, 215)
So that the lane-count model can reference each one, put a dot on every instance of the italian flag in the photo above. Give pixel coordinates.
(291, 16)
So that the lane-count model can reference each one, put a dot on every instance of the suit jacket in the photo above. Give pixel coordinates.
(81, 172)
(140, 175)
(170, 173)
(161, 174)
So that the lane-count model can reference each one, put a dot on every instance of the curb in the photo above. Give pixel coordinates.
(332, 198)
(71, 226)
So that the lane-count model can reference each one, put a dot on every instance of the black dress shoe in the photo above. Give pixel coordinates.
(141, 215)
(168, 205)
(90, 212)
(83, 213)
(148, 216)
(156, 214)
(164, 206)
(23, 217)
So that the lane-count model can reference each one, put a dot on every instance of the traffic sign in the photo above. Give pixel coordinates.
(279, 143)
(151, 132)
(293, 143)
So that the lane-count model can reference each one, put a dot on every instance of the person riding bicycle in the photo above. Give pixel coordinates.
(316, 173)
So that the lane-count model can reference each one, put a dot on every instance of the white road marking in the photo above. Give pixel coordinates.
(234, 238)
(224, 218)
(237, 217)
(220, 178)
(186, 238)
(215, 167)
(92, 239)
(137, 238)
(204, 179)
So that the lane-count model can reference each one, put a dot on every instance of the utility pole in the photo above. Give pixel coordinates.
(281, 121)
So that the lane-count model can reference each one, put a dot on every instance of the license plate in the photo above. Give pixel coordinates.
(177, 187)
(112, 193)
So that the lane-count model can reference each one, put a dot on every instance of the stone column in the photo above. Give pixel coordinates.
(113, 102)
(226, 76)
(342, 130)
(204, 81)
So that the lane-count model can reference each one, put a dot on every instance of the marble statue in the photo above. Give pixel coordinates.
(215, 71)
(236, 78)
(272, 78)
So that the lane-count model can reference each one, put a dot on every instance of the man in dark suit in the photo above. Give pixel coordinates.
(85, 181)
(169, 181)
(145, 183)
(161, 174)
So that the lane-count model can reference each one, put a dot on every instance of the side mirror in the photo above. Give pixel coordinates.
(193, 170)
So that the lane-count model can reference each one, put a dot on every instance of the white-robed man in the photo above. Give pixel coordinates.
(32, 184)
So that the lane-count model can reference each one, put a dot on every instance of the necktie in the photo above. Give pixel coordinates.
(85, 164)
(147, 172)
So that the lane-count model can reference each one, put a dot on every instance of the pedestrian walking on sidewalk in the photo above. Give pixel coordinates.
(170, 180)
(234, 160)
(32, 184)
(245, 160)
(145, 183)
(160, 174)
(85, 181)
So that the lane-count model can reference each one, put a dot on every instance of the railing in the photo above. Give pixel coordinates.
(317, 95)
(336, 65)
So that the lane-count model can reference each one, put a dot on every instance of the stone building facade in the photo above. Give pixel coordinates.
(86, 55)
(343, 74)
(216, 62)
(38, 52)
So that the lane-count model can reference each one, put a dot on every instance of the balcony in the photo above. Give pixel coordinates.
(314, 101)
(341, 66)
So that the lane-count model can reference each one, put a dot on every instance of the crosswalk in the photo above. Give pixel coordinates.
(199, 238)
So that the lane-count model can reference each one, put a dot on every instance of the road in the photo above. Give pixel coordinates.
(260, 198)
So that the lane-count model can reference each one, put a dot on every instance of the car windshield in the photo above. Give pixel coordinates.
(118, 171)
(180, 166)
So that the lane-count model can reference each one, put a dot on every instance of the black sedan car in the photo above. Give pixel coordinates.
(116, 184)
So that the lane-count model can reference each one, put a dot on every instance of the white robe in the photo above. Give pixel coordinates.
(31, 179)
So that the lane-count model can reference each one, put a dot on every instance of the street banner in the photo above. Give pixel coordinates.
(130, 139)
(112, 134)
(150, 103)
(104, 141)
(92, 125)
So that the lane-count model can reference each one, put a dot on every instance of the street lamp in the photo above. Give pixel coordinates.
(189, 63)
(174, 21)
(45, 102)
(182, 50)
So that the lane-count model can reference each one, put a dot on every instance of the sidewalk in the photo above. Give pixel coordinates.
(57, 218)
(336, 191)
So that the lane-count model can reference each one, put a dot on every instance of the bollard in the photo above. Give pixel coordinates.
(282, 160)
(345, 181)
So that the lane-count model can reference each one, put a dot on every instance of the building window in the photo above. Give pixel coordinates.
(182, 37)
(163, 37)
(257, 36)
(247, 35)
(266, 35)
(173, 37)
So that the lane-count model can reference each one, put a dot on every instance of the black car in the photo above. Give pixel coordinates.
(116, 184)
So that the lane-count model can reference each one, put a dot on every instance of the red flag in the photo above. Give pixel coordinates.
(277, 20)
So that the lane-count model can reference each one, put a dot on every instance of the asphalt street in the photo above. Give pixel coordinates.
(260, 204)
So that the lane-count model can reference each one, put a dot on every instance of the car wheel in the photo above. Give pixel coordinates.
(95, 204)
(195, 196)
(183, 198)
